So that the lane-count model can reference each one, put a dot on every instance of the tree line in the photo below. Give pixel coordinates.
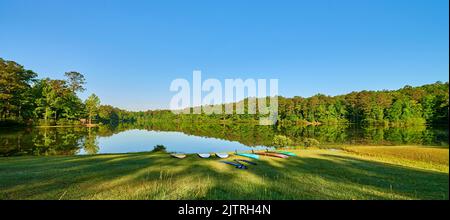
(427, 104)
(26, 99)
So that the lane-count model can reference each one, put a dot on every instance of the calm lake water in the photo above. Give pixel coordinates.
(141, 140)
(200, 138)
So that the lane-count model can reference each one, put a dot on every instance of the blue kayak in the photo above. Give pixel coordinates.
(253, 156)
(237, 165)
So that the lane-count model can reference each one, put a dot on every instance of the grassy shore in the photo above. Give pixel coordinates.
(432, 158)
(352, 173)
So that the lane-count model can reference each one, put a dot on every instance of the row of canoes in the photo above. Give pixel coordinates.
(219, 155)
(253, 155)
(278, 154)
(239, 163)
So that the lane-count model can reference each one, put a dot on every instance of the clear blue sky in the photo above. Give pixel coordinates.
(130, 51)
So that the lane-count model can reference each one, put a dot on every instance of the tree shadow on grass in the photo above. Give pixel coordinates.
(157, 176)
(340, 177)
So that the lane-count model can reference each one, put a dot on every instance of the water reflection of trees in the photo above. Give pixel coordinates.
(254, 135)
(90, 142)
(45, 141)
(71, 140)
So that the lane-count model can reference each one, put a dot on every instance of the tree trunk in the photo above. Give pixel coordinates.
(20, 112)
(45, 116)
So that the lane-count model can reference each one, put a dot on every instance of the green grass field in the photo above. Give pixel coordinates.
(314, 174)
(425, 157)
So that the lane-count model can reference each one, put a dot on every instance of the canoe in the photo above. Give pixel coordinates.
(222, 155)
(285, 153)
(253, 156)
(204, 155)
(179, 156)
(272, 154)
(237, 165)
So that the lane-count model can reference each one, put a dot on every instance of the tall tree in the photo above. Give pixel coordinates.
(14, 88)
(76, 81)
(92, 106)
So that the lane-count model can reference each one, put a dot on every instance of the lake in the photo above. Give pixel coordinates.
(141, 140)
(201, 138)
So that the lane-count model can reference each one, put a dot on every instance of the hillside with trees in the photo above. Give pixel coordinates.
(427, 104)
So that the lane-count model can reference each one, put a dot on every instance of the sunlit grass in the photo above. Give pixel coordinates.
(425, 157)
(314, 174)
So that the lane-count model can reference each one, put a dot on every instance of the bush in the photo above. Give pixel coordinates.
(159, 148)
(281, 141)
(310, 142)
(65, 121)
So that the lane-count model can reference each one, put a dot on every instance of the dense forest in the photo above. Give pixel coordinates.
(427, 104)
(25, 99)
